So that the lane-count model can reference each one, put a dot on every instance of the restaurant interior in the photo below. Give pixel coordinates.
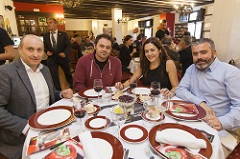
(215, 19)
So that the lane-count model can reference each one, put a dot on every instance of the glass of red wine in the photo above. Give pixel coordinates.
(80, 112)
(133, 85)
(98, 86)
(155, 90)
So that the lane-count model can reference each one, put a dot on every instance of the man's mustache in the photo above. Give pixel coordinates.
(201, 60)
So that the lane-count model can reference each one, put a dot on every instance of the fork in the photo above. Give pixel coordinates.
(147, 151)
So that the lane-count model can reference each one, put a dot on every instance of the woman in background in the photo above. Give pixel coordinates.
(126, 53)
(155, 65)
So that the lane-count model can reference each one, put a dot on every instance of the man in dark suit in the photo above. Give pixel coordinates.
(57, 46)
(25, 88)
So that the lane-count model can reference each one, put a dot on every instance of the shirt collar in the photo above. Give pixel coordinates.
(56, 31)
(40, 66)
(213, 65)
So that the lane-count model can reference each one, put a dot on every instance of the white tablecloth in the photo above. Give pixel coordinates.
(136, 151)
(134, 64)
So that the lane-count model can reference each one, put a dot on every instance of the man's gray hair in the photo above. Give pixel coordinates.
(54, 20)
(187, 40)
(205, 40)
(167, 40)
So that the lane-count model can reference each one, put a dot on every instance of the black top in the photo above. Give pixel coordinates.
(186, 58)
(100, 64)
(78, 48)
(5, 40)
(125, 57)
(160, 34)
(157, 75)
(116, 46)
(172, 54)
(186, 33)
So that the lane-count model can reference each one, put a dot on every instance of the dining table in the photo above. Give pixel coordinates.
(135, 150)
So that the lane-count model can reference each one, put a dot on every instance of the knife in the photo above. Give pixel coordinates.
(59, 144)
(126, 154)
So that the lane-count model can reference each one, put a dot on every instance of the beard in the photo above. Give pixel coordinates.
(206, 64)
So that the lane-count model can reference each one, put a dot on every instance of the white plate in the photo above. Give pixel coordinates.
(142, 90)
(53, 117)
(104, 148)
(92, 92)
(98, 122)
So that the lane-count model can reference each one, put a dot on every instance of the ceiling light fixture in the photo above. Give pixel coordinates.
(184, 9)
(70, 3)
(124, 20)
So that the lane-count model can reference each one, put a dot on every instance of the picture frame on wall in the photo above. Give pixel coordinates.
(183, 18)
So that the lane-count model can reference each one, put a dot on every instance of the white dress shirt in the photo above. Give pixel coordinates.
(40, 88)
(55, 35)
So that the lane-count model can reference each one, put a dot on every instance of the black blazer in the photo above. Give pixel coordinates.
(63, 45)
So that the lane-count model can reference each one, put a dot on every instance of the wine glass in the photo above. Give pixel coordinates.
(80, 112)
(133, 85)
(98, 86)
(119, 116)
(155, 90)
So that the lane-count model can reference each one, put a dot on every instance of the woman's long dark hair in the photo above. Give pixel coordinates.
(163, 56)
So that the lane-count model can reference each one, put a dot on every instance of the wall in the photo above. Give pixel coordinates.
(97, 25)
(78, 24)
(225, 29)
(10, 15)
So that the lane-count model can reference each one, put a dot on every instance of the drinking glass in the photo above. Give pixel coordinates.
(98, 86)
(80, 112)
(119, 116)
(107, 95)
(155, 90)
(133, 85)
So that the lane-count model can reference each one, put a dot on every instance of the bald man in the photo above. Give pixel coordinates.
(25, 88)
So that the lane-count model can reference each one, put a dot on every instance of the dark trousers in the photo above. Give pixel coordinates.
(55, 75)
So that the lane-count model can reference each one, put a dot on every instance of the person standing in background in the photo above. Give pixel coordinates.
(186, 32)
(185, 53)
(162, 31)
(6, 47)
(125, 52)
(57, 46)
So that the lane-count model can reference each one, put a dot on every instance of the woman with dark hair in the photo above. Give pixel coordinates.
(155, 65)
(125, 52)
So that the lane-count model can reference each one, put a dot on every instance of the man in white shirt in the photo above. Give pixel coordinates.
(25, 88)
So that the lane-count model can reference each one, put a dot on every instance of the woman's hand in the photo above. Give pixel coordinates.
(119, 85)
(166, 93)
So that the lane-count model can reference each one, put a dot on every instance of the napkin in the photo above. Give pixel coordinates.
(89, 146)
(227, 139)
(179, 137)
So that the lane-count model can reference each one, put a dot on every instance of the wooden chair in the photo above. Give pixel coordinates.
(74, 58)
(125, 76)
(236, 153)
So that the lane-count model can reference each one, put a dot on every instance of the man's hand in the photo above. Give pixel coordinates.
(62, 55)
(49, 53)
(208, 110)
(67, 93)
(166, 93)
(214, 122)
